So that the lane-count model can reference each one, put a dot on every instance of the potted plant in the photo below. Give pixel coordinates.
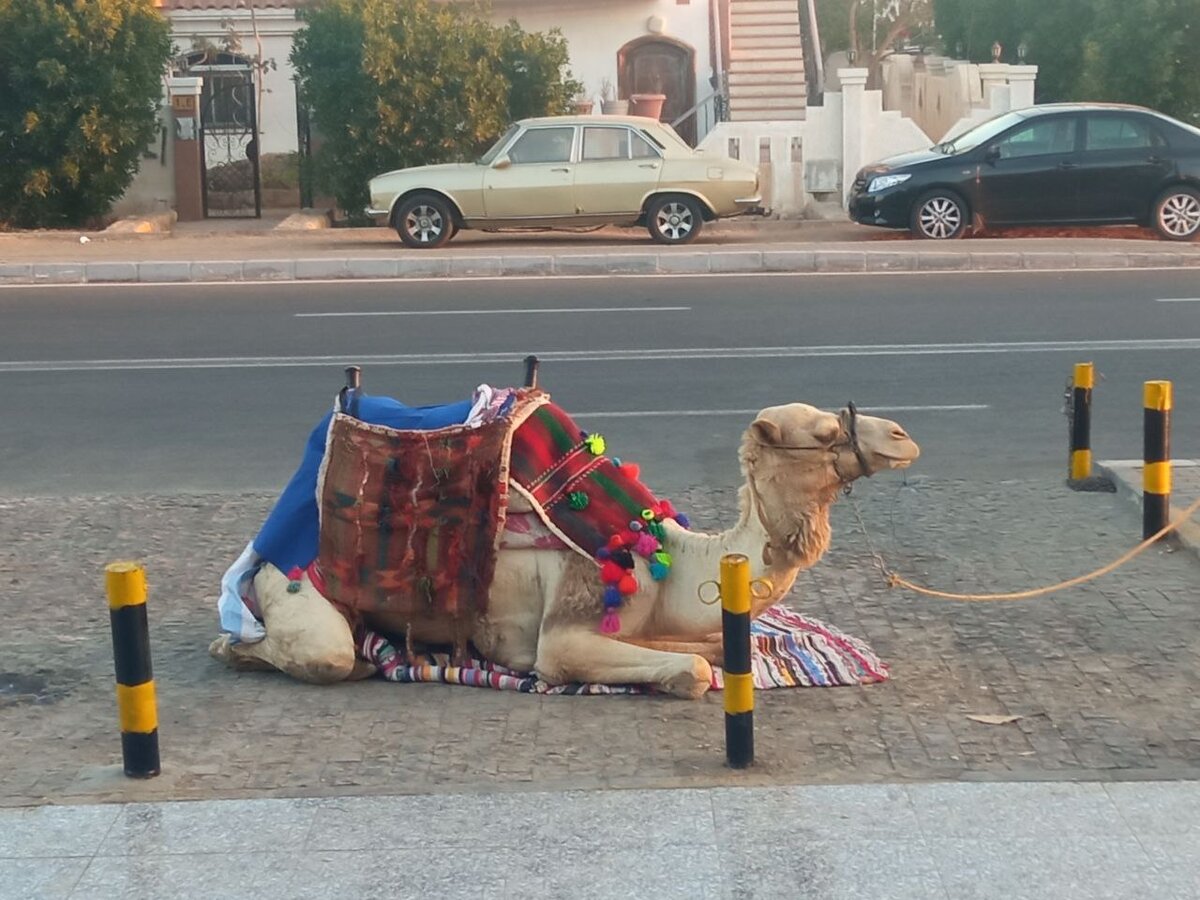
(608, 105)
(583, 104)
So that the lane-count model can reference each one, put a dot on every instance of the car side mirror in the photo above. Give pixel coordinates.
(993, 153)
(502, 163)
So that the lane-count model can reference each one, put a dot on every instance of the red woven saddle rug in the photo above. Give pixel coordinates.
(411, 520)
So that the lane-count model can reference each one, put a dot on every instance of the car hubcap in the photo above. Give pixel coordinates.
(674, 221)
(940, 217)
(424, 224)
(1180, 215)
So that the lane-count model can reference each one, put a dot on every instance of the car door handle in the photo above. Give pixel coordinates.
(560, 170)
(648, 166)
(1068, 165)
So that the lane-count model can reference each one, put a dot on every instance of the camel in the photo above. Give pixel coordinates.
(544, 605)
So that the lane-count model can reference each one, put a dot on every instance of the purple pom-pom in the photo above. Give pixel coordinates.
(612, 597)
(635, 525)
(603, 553)
(683, 520)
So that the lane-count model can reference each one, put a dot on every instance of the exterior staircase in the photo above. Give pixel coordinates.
(766, 61)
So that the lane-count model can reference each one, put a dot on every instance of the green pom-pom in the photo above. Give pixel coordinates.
(577, 500)
(657, 530)
(648, 515)
(662, 557)
(293, 587)
(595, 444)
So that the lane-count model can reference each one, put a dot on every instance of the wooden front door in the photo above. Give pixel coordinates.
(658, 66)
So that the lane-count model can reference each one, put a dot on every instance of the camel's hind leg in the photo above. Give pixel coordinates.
(306, 637)
(576, 653)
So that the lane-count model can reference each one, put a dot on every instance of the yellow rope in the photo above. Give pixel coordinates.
(895, 580)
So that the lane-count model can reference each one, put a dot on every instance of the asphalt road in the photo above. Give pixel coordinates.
(215, 387)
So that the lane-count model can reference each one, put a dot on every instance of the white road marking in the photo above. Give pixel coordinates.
(1178, 300)
(493, 312)
(656, 413)
(576, 356)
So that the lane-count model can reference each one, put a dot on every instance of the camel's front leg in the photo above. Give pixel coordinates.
(571, 653)
(712, 650)
(306, 637)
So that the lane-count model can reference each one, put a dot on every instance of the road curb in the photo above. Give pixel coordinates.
(680, 262)
(1127, 476)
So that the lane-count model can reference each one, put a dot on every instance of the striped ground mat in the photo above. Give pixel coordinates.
(790, 650)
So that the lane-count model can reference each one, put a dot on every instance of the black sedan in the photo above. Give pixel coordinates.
(1057, 164)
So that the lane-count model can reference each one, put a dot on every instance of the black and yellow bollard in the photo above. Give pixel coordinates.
(739, 684)
(137, 708)
(1081, 421)
(1156, 470)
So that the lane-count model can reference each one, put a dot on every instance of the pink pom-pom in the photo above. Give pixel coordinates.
(295, 573)
(611, 623)
(646, 544)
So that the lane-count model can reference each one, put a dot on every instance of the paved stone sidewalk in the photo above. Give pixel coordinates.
(915, 842)
(1106, 677)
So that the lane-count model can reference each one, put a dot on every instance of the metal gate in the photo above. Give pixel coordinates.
(229, 138)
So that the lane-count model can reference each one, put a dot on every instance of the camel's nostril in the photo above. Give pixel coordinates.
(900, 434)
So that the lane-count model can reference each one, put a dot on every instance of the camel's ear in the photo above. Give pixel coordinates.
(766, 432)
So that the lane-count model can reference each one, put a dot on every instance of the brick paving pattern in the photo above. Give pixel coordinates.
(1105, 676)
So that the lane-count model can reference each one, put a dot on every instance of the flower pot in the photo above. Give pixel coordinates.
(615, 107)
(648, 105)
(583, 107)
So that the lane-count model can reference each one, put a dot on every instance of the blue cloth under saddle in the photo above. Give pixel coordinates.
(289, 536)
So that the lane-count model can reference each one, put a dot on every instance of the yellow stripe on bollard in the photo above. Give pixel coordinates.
(125, 583)
(1156, 478)
(137, 707)
(1157, 395)
(739, 693)
(739, 684)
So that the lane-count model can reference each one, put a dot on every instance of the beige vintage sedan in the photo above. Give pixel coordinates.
(570, 172)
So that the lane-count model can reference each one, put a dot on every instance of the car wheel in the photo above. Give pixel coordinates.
(939, 216)
(424, 221)
(674, 219)
(1177, 213)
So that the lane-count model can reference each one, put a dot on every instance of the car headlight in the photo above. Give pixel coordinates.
(883, 182)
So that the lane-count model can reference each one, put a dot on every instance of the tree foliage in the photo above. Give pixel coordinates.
(80, 83)
(396, 83)
(1134, 51)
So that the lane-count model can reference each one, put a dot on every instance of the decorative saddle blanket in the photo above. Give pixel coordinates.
(410, 521)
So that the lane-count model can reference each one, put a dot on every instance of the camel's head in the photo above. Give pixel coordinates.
(827, 450)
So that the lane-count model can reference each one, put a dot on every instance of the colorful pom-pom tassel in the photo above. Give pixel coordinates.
(627, 585)
(683, 520)
(293, 587)
(663, 557)
(623, 558)
(595, 444)
(577, 500)
(611, 572)
(648, 515)
(632, 471)
(603, 553)
(611, 623)
(616, 542)
(635, 525)
(646, 544)
(295, 573)
(616, 461)
(656, 529)
(612, 597)
(658, 571)
(668, 509)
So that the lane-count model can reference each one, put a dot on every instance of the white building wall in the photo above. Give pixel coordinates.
(596, 31)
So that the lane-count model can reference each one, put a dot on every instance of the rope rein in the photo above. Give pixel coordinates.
(893, 580)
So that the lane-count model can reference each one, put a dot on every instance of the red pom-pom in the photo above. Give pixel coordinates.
(616, 542)
(628, 538)
(610, 572)
(668, 509)
(627, 585)
(630, 470)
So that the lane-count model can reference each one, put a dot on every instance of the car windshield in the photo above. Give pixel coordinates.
(980, 134)
(494, 151)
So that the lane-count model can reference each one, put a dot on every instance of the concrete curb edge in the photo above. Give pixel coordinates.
(687, 262)
(1126, 475)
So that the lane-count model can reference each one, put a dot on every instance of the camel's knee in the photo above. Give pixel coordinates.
(306, 636)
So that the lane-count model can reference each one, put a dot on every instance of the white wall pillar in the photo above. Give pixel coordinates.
(1022, 80)
(854, 84)
(992, 75)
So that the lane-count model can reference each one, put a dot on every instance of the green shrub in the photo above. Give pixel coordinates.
(80, 83)
(396, 83)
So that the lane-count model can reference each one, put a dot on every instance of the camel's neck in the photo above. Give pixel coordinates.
(794, 540)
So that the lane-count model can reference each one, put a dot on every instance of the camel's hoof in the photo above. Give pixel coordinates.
(692, 684)
(223, 650)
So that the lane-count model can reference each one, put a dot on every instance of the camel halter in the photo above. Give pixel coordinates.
(847, 437)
